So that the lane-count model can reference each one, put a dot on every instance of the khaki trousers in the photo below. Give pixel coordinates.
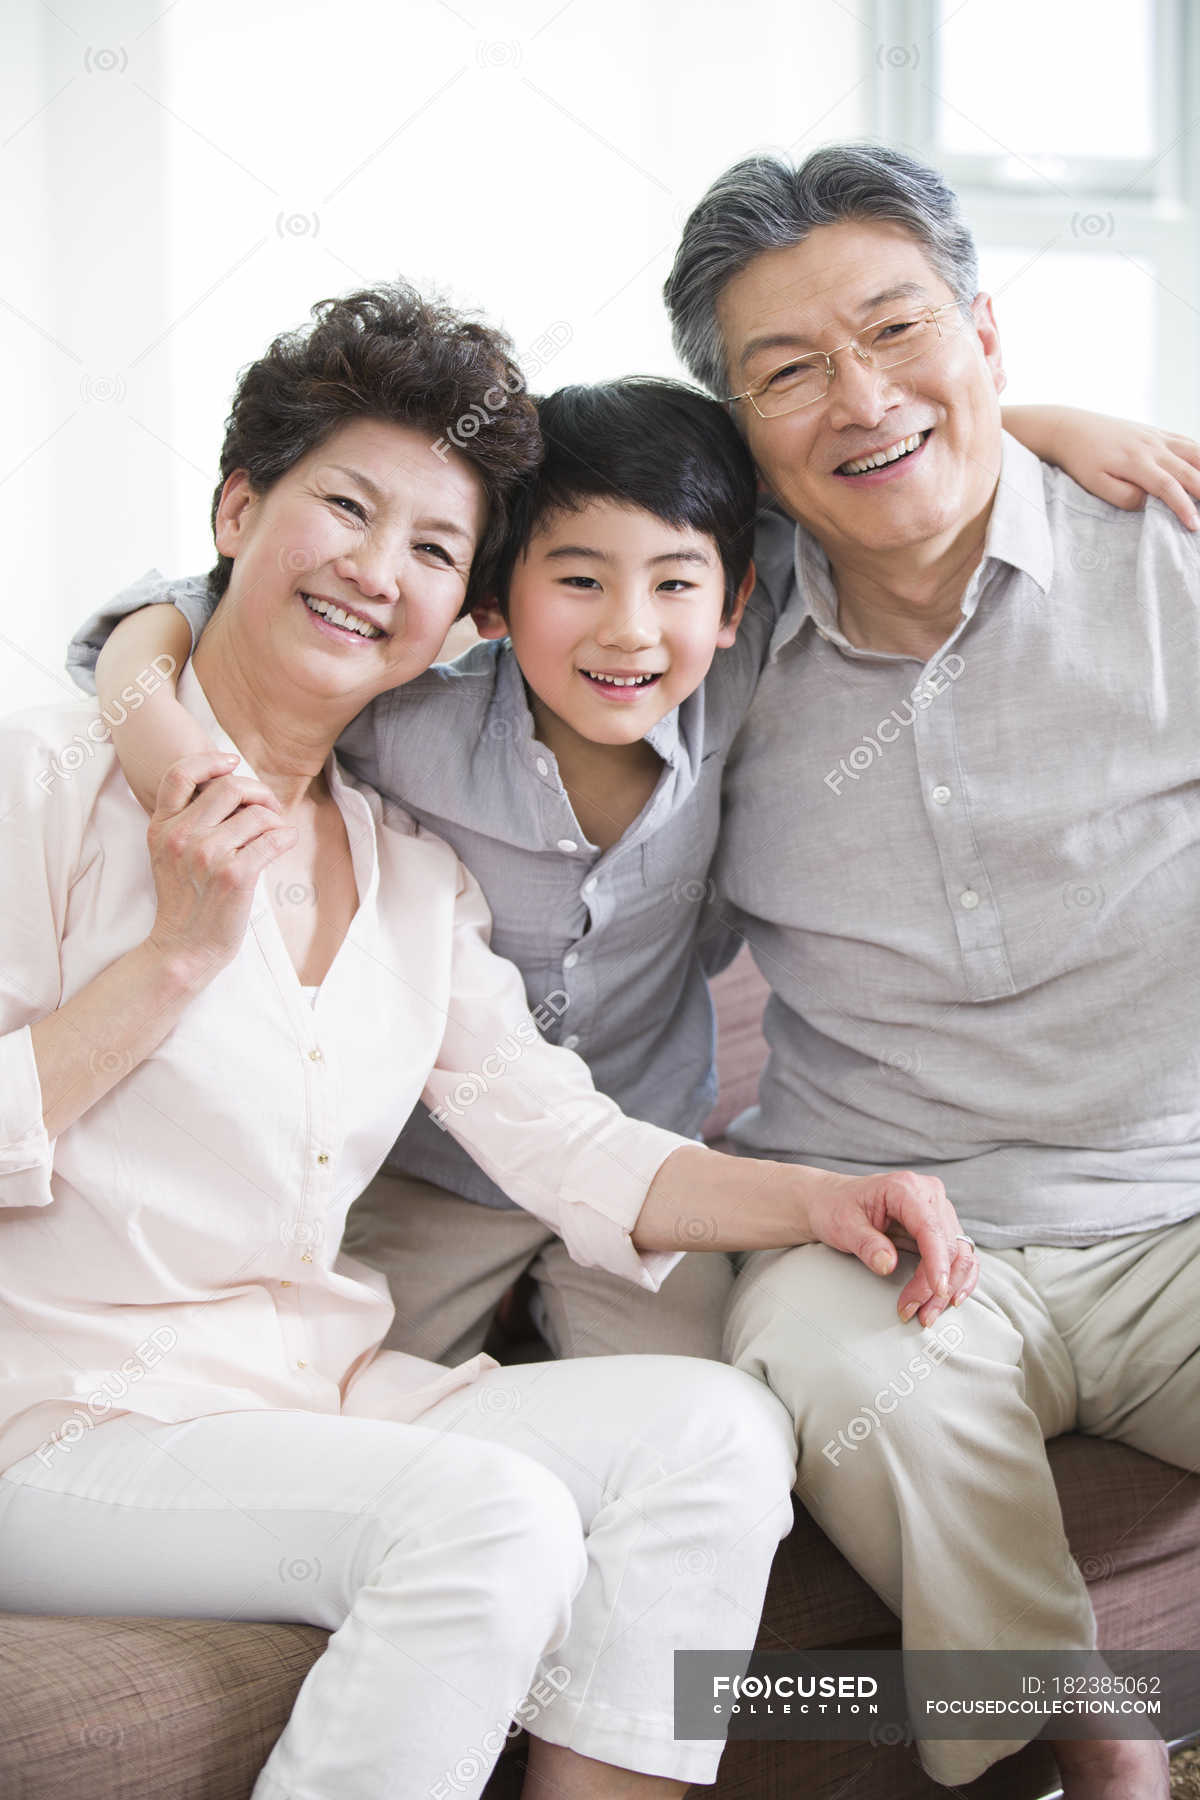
(448, 1261)
(921, 1452)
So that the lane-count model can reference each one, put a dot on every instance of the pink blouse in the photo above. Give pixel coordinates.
(175, 1252)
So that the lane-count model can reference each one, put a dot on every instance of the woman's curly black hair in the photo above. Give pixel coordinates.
(387, 353)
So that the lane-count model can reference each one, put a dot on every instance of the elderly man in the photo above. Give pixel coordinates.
(963, 842)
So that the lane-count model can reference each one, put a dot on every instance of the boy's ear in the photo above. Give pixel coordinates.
(236, 496)
(489, 620)
(728, 631)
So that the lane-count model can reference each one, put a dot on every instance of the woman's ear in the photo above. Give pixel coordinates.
(489, 621)
(728, 631)
(236, 497)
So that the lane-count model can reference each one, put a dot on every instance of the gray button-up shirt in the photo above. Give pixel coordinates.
(973, 884)
(607, 941)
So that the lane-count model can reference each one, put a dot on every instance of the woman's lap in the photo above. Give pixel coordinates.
(624, 1503)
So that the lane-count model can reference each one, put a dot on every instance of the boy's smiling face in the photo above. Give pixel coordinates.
(615, 617)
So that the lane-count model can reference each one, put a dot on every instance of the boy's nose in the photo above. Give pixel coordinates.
(629, 628)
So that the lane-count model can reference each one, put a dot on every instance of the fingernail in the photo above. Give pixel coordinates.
(881, 1263)
(943, 1286)
(959, 1298)
(906, 1312)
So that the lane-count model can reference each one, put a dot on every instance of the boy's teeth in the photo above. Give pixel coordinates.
(892, 454)
(620, 680)
(336, 616)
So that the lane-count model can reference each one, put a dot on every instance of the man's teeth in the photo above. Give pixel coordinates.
(621, 680)
(892, 454)
(336, 616)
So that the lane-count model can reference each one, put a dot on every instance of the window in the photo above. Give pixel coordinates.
(1066, 129)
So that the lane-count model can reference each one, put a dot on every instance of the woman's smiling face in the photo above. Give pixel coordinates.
(351, 568)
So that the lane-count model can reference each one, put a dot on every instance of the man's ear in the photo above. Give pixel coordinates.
(989, 338)
(237, 496)
(728, 631)
(489, 620)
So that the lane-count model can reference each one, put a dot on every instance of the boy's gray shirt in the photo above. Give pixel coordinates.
(607, 941)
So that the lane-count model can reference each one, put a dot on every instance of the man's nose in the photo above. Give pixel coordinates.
(859, 395)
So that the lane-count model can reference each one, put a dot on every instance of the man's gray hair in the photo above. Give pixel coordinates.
(766, 203)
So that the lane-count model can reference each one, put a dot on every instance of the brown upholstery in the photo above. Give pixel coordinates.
(184, 1709)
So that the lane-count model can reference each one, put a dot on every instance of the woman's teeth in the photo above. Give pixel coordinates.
(620, 680)
(892, 454)
(325, 609)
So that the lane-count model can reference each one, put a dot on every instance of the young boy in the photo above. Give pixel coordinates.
(573, 760)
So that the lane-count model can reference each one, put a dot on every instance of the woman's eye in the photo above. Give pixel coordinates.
(344, 503)
(438, 550)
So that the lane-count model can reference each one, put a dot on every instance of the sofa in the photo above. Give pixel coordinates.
(187, 1709)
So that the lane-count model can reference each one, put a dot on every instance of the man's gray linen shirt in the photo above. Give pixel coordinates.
(973, 884)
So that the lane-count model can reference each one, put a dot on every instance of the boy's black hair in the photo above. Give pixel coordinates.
(655, 444)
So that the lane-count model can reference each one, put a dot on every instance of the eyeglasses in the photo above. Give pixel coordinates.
(884, 345)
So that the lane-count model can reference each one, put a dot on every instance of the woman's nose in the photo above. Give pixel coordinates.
(372, 570)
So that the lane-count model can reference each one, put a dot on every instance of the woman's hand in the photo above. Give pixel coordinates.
(211, 836)
(869, 1216)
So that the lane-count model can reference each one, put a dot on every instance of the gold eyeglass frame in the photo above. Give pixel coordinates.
(864, 355)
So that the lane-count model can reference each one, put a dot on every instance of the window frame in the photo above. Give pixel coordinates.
(1138, 208)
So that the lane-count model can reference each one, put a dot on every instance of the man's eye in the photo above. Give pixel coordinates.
(790, 373)
(894, 329)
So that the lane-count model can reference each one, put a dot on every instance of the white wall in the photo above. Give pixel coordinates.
(182, 181)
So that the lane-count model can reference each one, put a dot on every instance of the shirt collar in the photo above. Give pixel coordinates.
(1018, 535)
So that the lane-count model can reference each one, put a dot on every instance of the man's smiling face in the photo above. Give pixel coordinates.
(814, 296)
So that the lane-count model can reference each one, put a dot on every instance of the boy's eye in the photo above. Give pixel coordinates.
(581, 581)
(676, 585)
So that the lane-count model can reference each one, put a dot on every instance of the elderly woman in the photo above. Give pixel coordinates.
(210, 1037)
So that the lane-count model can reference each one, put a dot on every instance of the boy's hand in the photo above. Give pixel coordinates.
(869, 1216)
(210, 838)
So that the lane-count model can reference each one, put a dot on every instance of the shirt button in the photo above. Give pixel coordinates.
(285, 1284)
(302, 1365)
(570, 959)
(567, 844)
(569, 1043)
(322, 1158)
(941, 796)
(968, 899)
(314, 1056)
(542, 766)
(306, 1256)
(589, 886)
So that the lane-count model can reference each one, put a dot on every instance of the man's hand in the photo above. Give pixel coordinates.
(872, 1216)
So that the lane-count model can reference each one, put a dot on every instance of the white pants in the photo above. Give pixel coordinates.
(555, 1525)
